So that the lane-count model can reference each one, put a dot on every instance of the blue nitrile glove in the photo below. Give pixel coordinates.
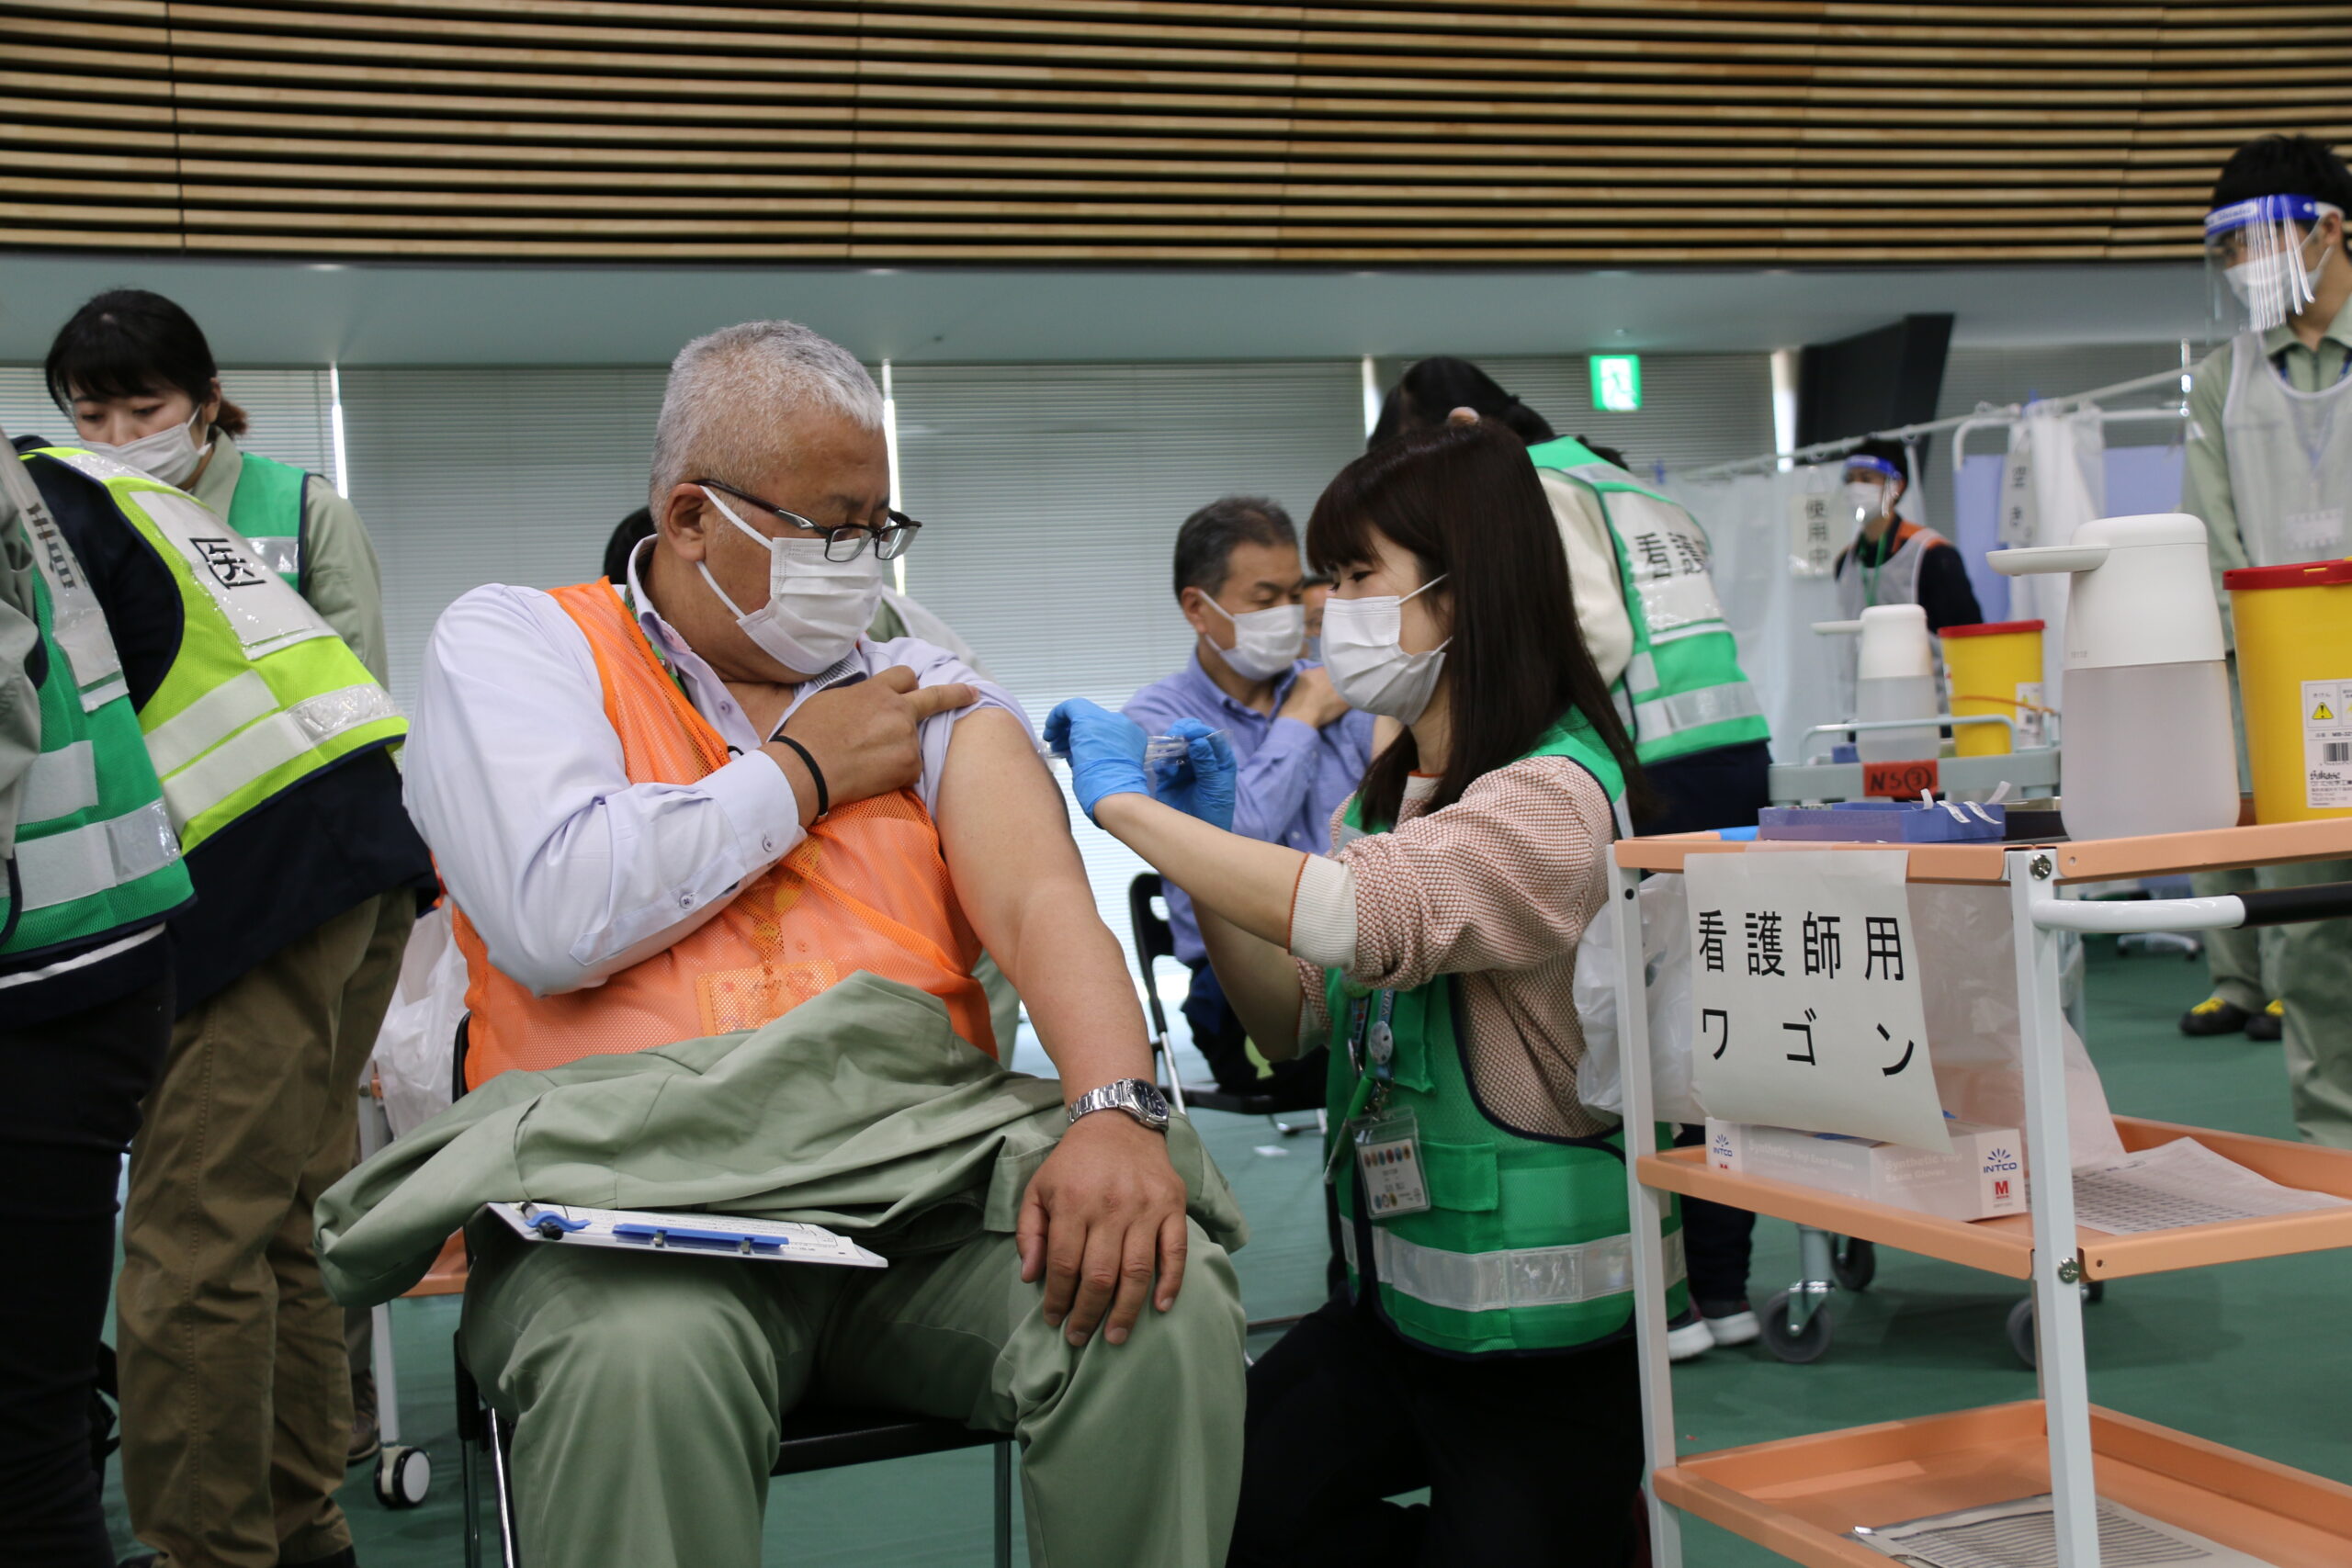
(1200, 782)
(1105, 750)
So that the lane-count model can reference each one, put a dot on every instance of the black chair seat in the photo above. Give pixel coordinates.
(828, 1438)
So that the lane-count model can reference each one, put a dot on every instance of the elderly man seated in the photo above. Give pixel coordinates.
(681, 805)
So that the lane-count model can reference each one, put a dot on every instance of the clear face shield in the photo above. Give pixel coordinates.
(1870, 490)
(2263, 257)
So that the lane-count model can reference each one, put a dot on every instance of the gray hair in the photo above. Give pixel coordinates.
(727, 390)
(1204, 544)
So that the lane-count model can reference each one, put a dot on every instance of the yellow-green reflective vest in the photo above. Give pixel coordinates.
(261, 692)
(96, 852)
(1683, 691)
(1526, 1246)
(266, 508)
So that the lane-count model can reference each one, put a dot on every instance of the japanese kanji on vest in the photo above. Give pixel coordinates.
(867, 889)
(95, 853)
(261, 693)
(1526, 1243)
(1683, 691)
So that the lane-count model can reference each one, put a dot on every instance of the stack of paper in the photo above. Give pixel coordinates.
(2024, 1534)
(2183, 1183)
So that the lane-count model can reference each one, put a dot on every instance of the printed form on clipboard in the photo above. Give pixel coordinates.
(692, 1236)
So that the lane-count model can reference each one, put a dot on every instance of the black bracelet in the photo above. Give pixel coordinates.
(824, 800)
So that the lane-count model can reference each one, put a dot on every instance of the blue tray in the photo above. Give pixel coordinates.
(1883, 822)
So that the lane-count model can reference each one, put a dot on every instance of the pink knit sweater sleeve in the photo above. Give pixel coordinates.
(1505, 879)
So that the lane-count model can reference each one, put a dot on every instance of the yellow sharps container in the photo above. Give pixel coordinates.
(2294, 629)
(1993, 668)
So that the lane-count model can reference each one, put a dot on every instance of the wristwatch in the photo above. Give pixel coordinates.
(1139, 1097)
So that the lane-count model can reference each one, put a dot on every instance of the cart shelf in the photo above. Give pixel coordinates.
(2005, 1246)
(2092, 860)
(1800, 1496)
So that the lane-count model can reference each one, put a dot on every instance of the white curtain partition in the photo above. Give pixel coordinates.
(2054, 481)
(1774, 587)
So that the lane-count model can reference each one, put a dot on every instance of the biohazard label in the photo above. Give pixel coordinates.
(2327, 745)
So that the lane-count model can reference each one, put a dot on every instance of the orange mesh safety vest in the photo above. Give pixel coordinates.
(867, 889)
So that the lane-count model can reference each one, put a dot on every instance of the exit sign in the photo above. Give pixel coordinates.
(1616, 382)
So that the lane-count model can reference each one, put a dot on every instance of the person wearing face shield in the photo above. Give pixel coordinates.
(1647, 610)
(696, 802)
(2268, 470)
(1301, 748)
(1481, 1344)
(1890, 560)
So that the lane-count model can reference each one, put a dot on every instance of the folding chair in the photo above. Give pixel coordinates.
(815, 1438)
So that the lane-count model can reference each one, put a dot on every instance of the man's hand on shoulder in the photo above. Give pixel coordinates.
(864, 737)
(1104, 1214)
(1313, 700)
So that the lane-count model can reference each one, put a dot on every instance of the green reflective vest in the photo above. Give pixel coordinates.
(266, 508)
(96, 852)
(1683, 690)
(261, 693)
(1526, 1243)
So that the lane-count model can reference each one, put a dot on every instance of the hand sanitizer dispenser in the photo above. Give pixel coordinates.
(2148, 747)
(1894, 679)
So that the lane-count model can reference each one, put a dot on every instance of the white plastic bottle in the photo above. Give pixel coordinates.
(1896, 678)
(2148, 744)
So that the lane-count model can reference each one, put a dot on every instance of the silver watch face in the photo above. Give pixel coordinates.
(1150, 1102)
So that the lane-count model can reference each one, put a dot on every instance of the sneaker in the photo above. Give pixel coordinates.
(2268, 1024)
(1687, 1338)
(1730, 1323)
(2214, 1016)
(367, 1433)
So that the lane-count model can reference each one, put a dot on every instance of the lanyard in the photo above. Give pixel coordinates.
(1371, 1042)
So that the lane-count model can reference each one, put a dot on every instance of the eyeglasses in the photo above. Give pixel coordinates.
(843, 540)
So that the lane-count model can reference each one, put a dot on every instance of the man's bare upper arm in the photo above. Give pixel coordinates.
(1002, 827)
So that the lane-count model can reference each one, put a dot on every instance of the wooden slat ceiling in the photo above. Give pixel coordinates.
(1737, 132)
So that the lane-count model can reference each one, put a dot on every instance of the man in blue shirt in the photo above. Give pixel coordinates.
(1301, 751)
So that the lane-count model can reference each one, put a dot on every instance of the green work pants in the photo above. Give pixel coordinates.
(647, 1394)
(2311, 967)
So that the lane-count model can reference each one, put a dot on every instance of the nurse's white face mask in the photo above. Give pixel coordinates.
(1866, 498)
(816, 609)
(1364, 650)
(1266, 642)
(170, 455)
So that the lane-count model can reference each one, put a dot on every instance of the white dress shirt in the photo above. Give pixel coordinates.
(514, 777)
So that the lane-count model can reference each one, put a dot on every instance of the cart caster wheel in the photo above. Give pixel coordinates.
(1855, 1263)
(402, 1476)
(1799, 1348)
(2021, 1332)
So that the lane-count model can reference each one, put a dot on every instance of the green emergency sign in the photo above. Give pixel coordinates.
(1616, 382)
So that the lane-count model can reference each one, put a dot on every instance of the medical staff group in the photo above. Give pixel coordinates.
(734, 816)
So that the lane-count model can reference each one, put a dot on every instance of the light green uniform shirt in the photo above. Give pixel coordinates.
(2205, 489)
(343, 581)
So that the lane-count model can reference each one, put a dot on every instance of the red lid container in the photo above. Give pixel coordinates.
(2302, 574)
(1991, 629)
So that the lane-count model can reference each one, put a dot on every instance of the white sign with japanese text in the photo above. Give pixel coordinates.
(1814, 530)
(1804, 975)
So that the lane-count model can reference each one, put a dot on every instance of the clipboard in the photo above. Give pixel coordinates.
(681, 1235)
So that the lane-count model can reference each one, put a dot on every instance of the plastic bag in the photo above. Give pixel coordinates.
(1968, 973)
(1665, 953)
(417, 1047)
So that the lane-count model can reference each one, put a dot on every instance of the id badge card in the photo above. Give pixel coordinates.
(1388, 1166)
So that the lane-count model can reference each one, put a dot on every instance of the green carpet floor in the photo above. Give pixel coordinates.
(2250, 1355)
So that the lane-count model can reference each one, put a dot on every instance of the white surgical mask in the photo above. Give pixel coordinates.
(170, 455)
(816, 609)
(1363, 650)
(2266, 284)
(1265, 642)
(1867, 497)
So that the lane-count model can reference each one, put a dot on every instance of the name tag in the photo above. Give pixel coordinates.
(1388, 1164)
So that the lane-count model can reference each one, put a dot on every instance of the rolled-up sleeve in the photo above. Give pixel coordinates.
(1505, 878)
(516, 779)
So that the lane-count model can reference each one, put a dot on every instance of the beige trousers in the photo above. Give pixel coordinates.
(236, 1396)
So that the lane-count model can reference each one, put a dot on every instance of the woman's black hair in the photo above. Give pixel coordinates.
(1465, 500)
(128, 342)
(1424, 395)
(631, 531)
